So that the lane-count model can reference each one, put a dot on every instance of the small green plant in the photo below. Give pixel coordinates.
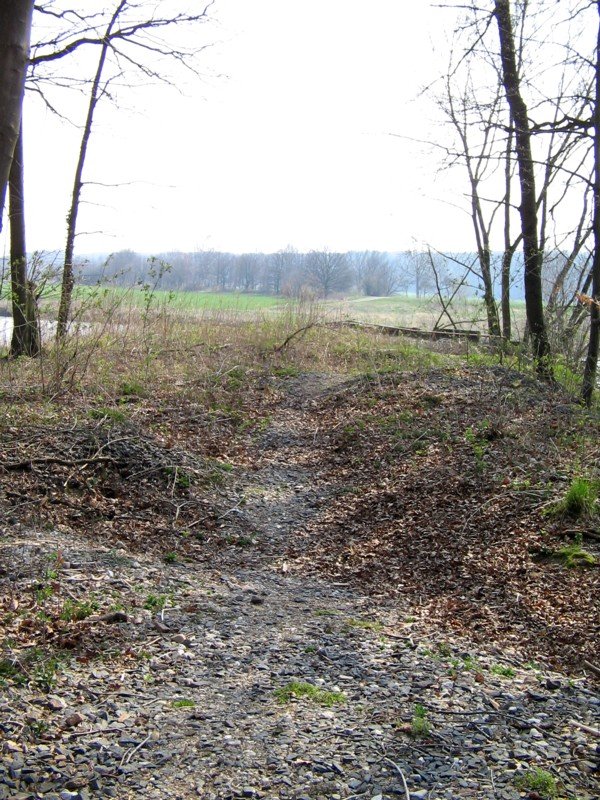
(43, 593)
(181, 478)
(325, 612)
(38, 728)
(503, 671)
(286, 372)
(540, 781)
(444, 649)
(75, 610)
(43, 670)
(479, 448)
(183, 703)
(9, 669)
(243, 541)
(111, 414)
(580, 499)
(131, 389)
(365, 624)
(419, 724)
(170, 558)
(299, 689)
(155, 602)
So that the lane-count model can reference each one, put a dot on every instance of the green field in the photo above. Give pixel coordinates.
(186, 301)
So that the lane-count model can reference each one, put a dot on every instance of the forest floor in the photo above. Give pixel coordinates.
(169, 567)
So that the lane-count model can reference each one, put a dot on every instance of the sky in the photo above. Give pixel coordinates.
(303, 130)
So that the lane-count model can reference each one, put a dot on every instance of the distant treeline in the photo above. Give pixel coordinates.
(291, 273)
(318, 273)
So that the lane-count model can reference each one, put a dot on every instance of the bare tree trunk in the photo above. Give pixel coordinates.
(528, 207)
(68, 277)
(25, 335)
(15, 35)
(591, 362)
(509, 246)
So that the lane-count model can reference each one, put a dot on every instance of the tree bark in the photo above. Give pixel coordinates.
(68, 277)
(591, 362)
(25, 335)
(15, 36)
(528, 208)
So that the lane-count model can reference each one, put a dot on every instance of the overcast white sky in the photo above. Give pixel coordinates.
(286, 142)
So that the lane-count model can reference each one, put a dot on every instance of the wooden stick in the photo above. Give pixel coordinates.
(586, 728)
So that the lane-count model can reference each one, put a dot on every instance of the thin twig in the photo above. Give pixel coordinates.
(401, 774)
(128, 758)
(293, 336)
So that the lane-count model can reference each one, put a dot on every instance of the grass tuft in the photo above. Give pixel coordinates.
(300, 689)
(580, 499)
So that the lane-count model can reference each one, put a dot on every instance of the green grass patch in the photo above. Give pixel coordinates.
(365, 624)
(184, 703)
(540, 781)
(110, 414)
(580, 499)
(420, 727)
(76, 610)
(300, 689)
(502, 671)
(155, 602)
(188, 301)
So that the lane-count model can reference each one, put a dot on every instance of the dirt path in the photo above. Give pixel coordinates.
(261, 669)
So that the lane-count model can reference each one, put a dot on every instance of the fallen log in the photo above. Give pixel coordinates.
(417, 333)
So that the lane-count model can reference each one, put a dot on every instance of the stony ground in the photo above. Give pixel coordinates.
(354, 596)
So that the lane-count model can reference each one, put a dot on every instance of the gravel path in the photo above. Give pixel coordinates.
(240, 679)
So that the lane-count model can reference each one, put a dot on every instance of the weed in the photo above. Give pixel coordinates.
(42, 670)
(479, 446)
(183, 703)
(540, 781)
(74, 610)
(110, 414)
(503, 671)
(301, 689)
(43, 593)
(243, 541)
(444, 649)
(325, 612)
(131, 389)
(579, 501)
(9, 669)
(310, 648)
(181, 478)
(285, 372)
(38, 728)
(365, 624)
(155, 602)
(419, 724)
(170, 558)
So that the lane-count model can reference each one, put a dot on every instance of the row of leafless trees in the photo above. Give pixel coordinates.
(286, 272)
(522, 98)
(53, 47)
(321, 273)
